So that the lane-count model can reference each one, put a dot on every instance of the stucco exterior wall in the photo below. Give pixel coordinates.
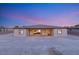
(20, 32)
(25, 32)
(60, 32)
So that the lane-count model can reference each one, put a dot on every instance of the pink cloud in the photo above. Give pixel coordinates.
(26, 18)
(58, 20)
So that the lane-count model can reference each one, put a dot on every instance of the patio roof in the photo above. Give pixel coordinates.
(39, 26)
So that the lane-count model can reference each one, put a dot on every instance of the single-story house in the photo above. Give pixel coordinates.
(40, 30)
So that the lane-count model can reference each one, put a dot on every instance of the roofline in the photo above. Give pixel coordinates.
(40, 28)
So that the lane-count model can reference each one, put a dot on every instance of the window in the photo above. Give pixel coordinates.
(59, 31)
(39, 30)
(21, 31)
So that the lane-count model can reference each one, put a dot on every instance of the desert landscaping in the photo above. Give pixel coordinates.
(12, 45)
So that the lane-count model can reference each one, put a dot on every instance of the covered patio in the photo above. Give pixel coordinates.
(40, 32)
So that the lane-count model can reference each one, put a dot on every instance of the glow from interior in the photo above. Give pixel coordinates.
(39, 30)
(22, 32)
(59, 31)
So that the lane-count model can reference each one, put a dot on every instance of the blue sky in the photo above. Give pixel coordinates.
(55, 14)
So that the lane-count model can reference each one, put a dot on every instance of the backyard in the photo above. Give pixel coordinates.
(12, 45)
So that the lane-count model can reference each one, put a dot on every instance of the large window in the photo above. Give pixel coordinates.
(21, 31)
(40, 32)
(37, 31)
(59, 31)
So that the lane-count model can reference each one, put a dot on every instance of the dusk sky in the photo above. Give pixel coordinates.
(32, 14)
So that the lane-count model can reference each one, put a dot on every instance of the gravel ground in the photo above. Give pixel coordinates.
(11, 45)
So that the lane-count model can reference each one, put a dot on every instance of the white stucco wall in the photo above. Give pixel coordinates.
(60, 32)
